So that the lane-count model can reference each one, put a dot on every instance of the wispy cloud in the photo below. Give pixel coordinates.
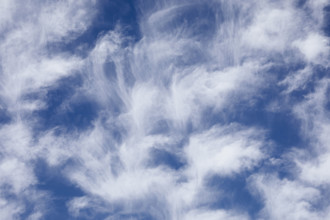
(140, 124)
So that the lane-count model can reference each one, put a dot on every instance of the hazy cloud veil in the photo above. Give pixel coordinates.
(165, 109)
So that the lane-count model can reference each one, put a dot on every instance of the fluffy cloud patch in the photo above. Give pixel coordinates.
(132, 122)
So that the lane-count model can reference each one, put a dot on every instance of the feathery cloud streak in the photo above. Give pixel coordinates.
(164, 110)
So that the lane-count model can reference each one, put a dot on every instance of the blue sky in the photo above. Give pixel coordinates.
(164, 109)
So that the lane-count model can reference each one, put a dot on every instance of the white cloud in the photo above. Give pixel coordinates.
(27, 67)
(200, 89)
(272, 29)
(316, 127)
(174, 74)
(285, 199)
(16, 174)
(10, 210)
(213, 215)
(7, 7)
(65, 19)
(315, 47)
(26, 64)
(297, 80)
(133, 180)
(224, 151)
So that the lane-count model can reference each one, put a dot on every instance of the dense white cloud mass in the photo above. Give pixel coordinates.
(153, 127)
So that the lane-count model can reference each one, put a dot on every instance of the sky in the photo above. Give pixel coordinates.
(165, 109)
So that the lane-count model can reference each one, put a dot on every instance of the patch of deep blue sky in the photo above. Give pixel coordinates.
(282, 127)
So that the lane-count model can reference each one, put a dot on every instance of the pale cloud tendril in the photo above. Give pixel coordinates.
(164, 109)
